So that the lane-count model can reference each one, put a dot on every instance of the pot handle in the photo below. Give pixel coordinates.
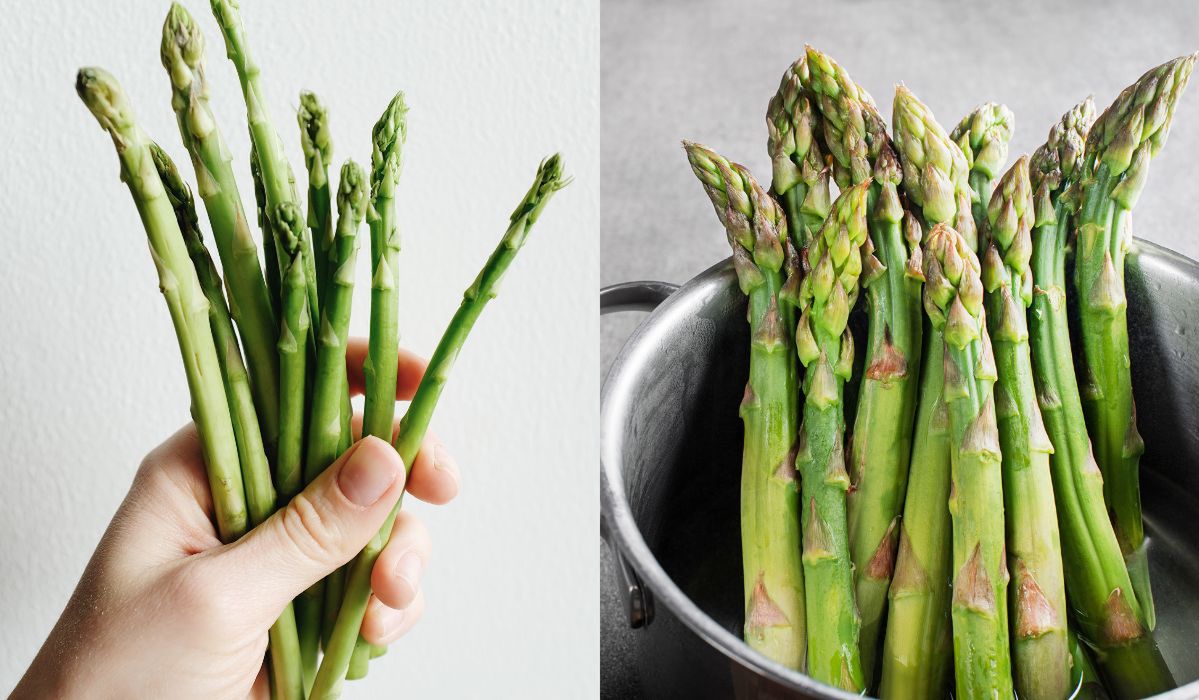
(632, 296)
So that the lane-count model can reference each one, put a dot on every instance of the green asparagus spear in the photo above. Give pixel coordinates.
(324, 435)
(800, 178)
(181, 289)
(1119, 149)
(388, 139)
(770, 534)
(984, 135)
(269, 247)
(317, 144)
(857, 139)
(825, 347)
(1099, 589)
(420, 411)
(953, 299)
(1037, 598)
(182, 55)
(277, 177)
(917, 644)
(256, 470)
(293, 352)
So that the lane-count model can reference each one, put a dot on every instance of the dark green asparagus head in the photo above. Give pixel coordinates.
(180, 197)
(351, 193)
(1132, 130)
(833, 265)
(182, 54)
(935, 171)
(756, 227)
(1057, 163)
(1005, 268)
(791, 123)
(953, 290)
(315, 138)
(984, 135)
(387, 146)
(107, 102)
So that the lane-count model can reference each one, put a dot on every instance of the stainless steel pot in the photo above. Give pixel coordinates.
(670, 470)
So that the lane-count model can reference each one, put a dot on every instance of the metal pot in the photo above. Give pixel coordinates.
(670, 471)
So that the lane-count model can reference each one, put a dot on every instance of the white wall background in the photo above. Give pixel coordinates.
(89, 370)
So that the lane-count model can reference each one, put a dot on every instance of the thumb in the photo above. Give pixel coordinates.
(321, 528)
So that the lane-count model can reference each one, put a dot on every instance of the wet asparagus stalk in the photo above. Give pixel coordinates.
(1099, 588)
(1119, 149)
(953, 299)
(825, 347)
(917, 645)
(1040, 654)
(882, 431)
(182, 55)
(332, 672)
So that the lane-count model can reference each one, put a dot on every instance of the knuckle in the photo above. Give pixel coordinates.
(310, 532)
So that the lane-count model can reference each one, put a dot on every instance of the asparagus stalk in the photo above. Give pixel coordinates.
(182, 55)
(881, 447)
(1089, 684)
(917, 644)
(825, 347)
(181, 289)
(277, 177)
(269, 247)
(317, 144)
(255, 469)
(800, 178)
(953, 298)
(325, 434)
(1119, 149)
(379, 369)
(984, 135)
(1099, 589)
(420, 411)
(1040, 653)
(293, 352)
(770, 534)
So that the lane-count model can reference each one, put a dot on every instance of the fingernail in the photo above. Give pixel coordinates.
(408, 569)
(442, 461)
(367, 475)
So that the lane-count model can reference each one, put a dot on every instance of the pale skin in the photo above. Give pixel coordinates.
(165, 610)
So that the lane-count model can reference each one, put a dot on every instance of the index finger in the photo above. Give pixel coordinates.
(410, 367)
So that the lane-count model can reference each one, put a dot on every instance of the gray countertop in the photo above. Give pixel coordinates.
(705, 69)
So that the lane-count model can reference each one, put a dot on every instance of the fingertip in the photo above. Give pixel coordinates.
(435, 477)
(371, 469)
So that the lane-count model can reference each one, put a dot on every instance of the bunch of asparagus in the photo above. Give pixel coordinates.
(266, 365)
(959, 513)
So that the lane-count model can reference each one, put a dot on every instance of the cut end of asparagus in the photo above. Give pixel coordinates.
(935, 170)
(315, 139)
(984, 135)
(106, 100)
(387, 141)
(953, 291)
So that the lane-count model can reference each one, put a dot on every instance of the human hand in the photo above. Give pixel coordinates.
(165, 610)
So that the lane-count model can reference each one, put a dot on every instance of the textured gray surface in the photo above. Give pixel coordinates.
(705, 69)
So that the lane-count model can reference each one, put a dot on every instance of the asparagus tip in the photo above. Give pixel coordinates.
(351, 191)
(103, 96)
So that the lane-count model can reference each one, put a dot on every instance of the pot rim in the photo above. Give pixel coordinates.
(617, 515)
